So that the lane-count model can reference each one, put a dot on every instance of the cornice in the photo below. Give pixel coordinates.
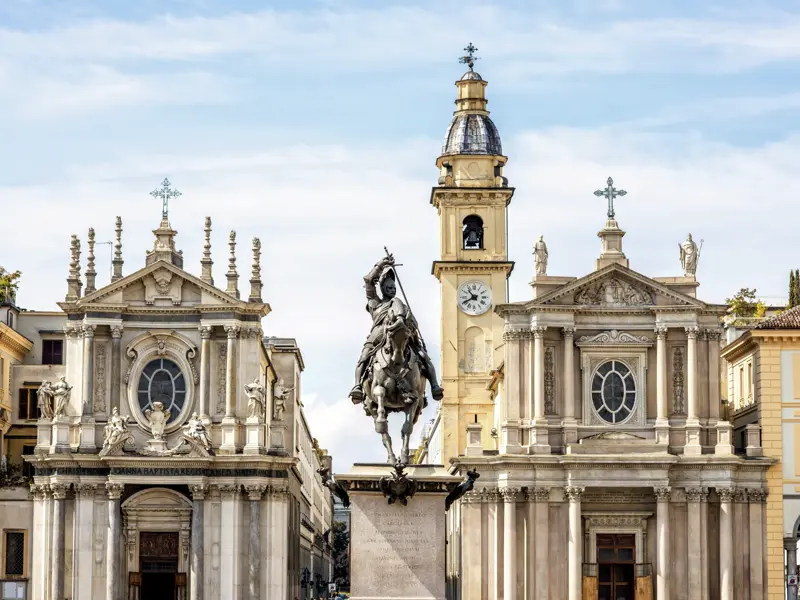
(443, 195)
(14, 341)
(471, 267)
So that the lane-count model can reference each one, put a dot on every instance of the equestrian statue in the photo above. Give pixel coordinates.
(394, 367)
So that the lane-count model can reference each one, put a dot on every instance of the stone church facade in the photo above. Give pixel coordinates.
(220, 501)
(592, 412)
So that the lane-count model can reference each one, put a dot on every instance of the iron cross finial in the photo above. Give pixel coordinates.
(470, 58)
(165, 193)
(610, 192)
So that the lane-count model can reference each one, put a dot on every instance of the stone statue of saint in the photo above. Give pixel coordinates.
(690, 254)
(255, 402)
(158, 418)
(196, 430)
(280, 393)
(383, 276)
(116, 428)
(61, 393)
(540, 255)
(44, 399)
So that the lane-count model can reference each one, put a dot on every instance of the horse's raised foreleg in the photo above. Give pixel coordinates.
(382, 423)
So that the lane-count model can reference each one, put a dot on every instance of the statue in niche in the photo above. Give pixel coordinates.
(690, 254)
(255, 402)
(196, 430)
(61, 394)
(540, 255)
(116, 428)
(280, 393)
(44, 399)
(158, 418)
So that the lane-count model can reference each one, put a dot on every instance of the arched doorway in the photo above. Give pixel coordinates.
(156, 524)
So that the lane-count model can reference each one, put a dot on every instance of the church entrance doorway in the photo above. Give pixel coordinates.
(616, 562)
(158, 564)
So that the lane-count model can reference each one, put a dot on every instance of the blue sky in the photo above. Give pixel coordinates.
(315, 126)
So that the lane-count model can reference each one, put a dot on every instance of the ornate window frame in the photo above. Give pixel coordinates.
(627, 348)
(150, 346)
(614, 523)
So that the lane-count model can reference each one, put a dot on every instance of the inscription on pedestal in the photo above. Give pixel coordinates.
(397, 551)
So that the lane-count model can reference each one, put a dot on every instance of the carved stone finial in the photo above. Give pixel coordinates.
(255, 278)
(206, 263)
(91, 274)
(117, 261)
(74, 284)
(232, 275)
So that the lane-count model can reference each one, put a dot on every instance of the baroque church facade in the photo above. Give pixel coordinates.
(163, 438)
(592, 412)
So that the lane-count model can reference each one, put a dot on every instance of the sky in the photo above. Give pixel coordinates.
(315, 126)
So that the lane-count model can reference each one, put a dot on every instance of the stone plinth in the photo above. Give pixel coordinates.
(396, 551)
(60, 438)
(255, 434)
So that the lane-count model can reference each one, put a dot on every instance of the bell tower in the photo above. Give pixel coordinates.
(472, 199)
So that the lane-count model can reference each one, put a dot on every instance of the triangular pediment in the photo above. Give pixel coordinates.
(616, 286)
(160, 284)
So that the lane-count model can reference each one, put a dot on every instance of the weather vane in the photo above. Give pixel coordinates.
(165, 193)
(470, 58)
(610, 192)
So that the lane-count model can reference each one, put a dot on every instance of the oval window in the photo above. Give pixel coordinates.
(613, 391)
(162, 381)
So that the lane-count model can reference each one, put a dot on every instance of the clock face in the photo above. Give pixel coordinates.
(474, 297)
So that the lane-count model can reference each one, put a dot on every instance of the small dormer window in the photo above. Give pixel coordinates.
(473, 233)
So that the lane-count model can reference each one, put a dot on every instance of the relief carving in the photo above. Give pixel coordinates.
(615, 337)
(549, 382)
(614, 292)
(221, 368)
(100, 379)
(677, 382)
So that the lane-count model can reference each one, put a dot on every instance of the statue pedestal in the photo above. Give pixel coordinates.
(88, 443)
(157, 446)
(228, 427)
(724, 445)
(59, 440)
(255, 436)
(397, 551)
(277, 437)
(44, 430)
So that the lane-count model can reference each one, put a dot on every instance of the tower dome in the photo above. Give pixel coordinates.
(472, 133)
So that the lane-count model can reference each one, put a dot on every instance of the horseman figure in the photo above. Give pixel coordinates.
(394, 366)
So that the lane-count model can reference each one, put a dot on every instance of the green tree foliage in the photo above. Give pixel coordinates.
(792, 286)
(8, 284)
(744, 304)
(341, 555)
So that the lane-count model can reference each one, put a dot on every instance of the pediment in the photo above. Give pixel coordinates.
(616, 287)
(159, 284)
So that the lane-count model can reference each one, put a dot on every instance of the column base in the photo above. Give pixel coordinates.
(724, 446)
(510, 439)
(255, 435)
(540, 437)
(228, 445)
(662, 431)
(277, 437)
(692, 446)
(88, 443)
(59, 440)
(44, 431)
(570, 426)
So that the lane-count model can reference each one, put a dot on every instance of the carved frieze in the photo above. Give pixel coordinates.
(549, 381)
(614, 337)
(222, 361)
(99, 395)
(678, 381)
(614, 292)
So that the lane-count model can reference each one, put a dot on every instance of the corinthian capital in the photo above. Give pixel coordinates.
(509, 494)
(198, 491)
(662, 494)
(691, 332)
(232, 331)
(205, 332)
(726, 494)
(573, 493)
(661, 333)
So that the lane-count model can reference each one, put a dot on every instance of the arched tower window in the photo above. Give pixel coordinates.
(473, 232)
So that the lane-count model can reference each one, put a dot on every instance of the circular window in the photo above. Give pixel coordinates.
(162, 381)
(613, 391)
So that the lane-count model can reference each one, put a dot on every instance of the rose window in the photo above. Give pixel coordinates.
(613, 391)
(162, 381)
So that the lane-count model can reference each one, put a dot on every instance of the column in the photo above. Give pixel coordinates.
(472, 546)
(575, 554)
(495, 535)
(88, 370)
(704, 543)
(278, 506)
(713, 336)
(757, 496)
(196, 570)
(113, 539)
(692, 446)
(230, 375)
(509, 424)
(726, 496)
(694, 542)
(254, 494)
(662, 420)
(59, 491)
(509, 542)
(662, 495)
(790, 545)
(116, 365)
(83, 535)
(39, 541)
(205, 370)
(540, 436)
(541, 498)
(570, 424)
(228, 550)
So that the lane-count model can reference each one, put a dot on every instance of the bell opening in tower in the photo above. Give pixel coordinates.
(473, 233)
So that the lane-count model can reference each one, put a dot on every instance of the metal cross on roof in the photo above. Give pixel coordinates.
(470, 58)
(165, 193)
(610, 192)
